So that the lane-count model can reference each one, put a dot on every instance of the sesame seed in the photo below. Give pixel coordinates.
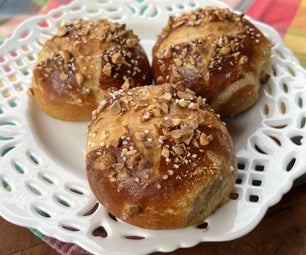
(165, 177)
(177, 166)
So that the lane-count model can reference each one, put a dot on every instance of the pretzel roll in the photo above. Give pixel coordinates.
(158, 157)
(217, 53)
(84, 59)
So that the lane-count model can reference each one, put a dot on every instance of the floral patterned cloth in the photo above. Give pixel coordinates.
(288, 17)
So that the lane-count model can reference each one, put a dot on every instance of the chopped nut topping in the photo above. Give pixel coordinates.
(117, 58)
(184, 95)
(107, 70)
(179, 149)
(30, 92)
(65, 55)
(178, 61)
(243, 60)
(176, 122)
(167, 96)
(112, 176)
(225, 50)
(80, 78)
(105, 161)
(115, 108)
(167, 53)
(182, 104)
(132, 152)
(128, 83)
(140, 136)
(64, 76)
(62, 31)
(131, 42)
(204, 139)
(165, 152)
(181, 135)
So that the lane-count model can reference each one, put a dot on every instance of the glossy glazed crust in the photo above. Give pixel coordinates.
(218, 54)
(84, 59)
(158, 157)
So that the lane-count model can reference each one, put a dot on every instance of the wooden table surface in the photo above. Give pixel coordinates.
(281, 232)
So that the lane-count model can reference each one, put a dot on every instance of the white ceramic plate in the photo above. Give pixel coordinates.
(42, 178)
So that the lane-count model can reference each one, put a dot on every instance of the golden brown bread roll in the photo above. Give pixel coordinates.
(158, 157)
(218, 54)
(78, 64)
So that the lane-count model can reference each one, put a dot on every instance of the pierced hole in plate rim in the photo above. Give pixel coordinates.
(203, 225)
(25, 35)
(32, 158)
(181, 7)
(113, 9)
(76, 9)
(266, 110)
(8, 123)
(302, 122)
(238, 180)
(100, 232)
(44, 24)
(93, 11)
(233, 195)
(46, 178)
(70, 228)
(114, 218)
(58, 15)
(169, 9)
(4, 138)
(33, 189)
(256, 182)
(75, 190)
(297, 140)
(253, 198)
(285, 87)
(134, 237)
(291, 71)
(280, 54)
(259, 149)
(300, 102)
(241, 165)
(290, 164)
(18, 168)
(259, 167)
(14, 54)
(5, 184)
(269, 89)
(283, 107)
(91, 210)
(62, 202)
(6, 150)
(41, 212)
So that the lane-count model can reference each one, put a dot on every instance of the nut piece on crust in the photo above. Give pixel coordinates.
(84, 59)
(163, 161)
(217, 53)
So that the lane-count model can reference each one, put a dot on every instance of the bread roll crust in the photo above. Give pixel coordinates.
(158, 157)
(80, 62)
(217, 53)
